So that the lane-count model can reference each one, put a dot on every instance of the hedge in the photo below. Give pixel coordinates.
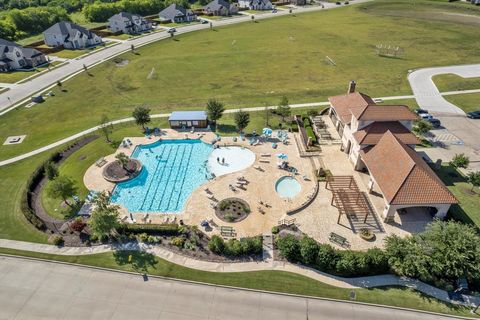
(170, 229)
(234, 247)
(311, 134)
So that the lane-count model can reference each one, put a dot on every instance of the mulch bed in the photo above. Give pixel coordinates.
(232, 210)
(115, 172)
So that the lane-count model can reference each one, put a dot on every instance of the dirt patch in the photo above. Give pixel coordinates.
(232, 210)
(470, 192)
(121, 62)
(115, 172)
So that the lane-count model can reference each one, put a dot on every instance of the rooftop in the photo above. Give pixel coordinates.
(403, 176)
(187, 116)
(343, 104)
(371, 134)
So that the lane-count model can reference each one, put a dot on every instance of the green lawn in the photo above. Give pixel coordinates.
(277, 281)
(247, 71)
(451, 82)
(467, 102)
(470, 201)
(15, 76)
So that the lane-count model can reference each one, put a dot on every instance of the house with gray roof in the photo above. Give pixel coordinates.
(188, 119)
(177, 14)
(255, 4)
(70, 36)
(220, 8)
(128, 23)
(14, 57)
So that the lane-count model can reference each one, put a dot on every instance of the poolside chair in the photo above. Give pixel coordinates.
(100, 162)
(258, 168)
(213, 205)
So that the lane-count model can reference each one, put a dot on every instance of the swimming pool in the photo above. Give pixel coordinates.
(172, 169)
(287, 187)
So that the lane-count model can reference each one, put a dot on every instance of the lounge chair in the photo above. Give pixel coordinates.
(101, 162)
(213, 205)
(258, 168)
(232, 188)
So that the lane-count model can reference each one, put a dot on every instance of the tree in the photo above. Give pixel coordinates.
(474, 179)
(283, 109)
(51, 170)
(460, 160)
(104, 219)
(62, 187)
(106, 127)
(141, 116)
(215, 110)
(445, 250)
(421, 127)
(123, 159)
(242, 119)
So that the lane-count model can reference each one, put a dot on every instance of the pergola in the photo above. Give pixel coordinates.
(347, 197)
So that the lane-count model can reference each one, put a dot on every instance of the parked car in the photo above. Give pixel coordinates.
(338, 3)
(204, 21)
(172, 30)
(425, 116)
(474, 114)
(420, 111)
(346, 2)
(274, 11)
(435, 122)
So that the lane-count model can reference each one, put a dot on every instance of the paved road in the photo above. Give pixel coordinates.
(426, 92)
(42, 290)
(20, 92)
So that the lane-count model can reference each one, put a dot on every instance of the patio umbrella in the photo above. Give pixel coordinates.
(282, 156)
(267, 131)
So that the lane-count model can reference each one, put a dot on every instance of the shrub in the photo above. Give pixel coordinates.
(216, 244)
(178, 241)
(78, 225)
(143, 237)
(252, 245)
(58, 241)
(326, 257)
(460, 161)
(51, 170)
(275, 229)
(289, 247)
(308, 250)
(377, 261)
(312, 113)
(347, 263)
(153, 239)
(233, 247)
(306, 122)
(158, 229)
(229, 217)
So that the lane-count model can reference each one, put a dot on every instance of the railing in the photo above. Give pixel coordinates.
(306, 203)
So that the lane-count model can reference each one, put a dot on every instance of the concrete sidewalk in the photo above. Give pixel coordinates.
(351, 283)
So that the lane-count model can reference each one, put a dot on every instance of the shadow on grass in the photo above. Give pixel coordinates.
(139, 261)
(226, 128)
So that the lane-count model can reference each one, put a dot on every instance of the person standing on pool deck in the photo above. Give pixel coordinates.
(218, 159)
(223, 160)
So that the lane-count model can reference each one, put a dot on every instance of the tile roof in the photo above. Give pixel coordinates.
(345, 103)
(371, 134)
(403, 176)
(384, 113)
(188, 115)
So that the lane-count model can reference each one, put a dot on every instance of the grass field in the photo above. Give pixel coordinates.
(16, 76)
(276, 281)
(467, 102)
(232, 66)
(451, 82)
(469, 199)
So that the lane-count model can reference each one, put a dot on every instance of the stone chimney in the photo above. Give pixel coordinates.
(351, 86)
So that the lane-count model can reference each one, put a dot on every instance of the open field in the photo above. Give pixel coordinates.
(467, 102)
(452, 82)
(276, 281)
(240, 70)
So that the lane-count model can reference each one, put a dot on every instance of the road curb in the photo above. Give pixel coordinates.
(229, 287)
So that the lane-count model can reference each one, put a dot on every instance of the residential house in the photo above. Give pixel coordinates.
(220, 8)
(128, 23)
(13, 57)
(176, 13)
(255, 4)
(70, 36)
(188, 119)
(378, 139)
(298, 2)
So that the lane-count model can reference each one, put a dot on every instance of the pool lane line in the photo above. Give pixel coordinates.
(157, 207)
(184, 174)
(153, 176)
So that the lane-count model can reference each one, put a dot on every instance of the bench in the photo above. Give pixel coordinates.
(226, 231)
(338, 239)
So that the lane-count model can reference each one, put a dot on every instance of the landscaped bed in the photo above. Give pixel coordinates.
(232, 210)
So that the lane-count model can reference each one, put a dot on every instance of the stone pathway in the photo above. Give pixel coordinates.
(349, 283)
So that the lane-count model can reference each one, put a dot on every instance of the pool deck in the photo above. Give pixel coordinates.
(318, 219)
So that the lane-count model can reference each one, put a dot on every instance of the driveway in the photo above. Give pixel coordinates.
(35, 289)
(426, 92)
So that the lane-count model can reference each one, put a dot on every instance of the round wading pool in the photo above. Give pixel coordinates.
(287, 187)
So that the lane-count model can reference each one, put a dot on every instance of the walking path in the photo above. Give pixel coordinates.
(426, 92)
(269, 264)
(20, 93)
(166, 115)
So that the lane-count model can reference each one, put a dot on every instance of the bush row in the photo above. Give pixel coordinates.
(234, 247)
(170, 229)
(324, 257)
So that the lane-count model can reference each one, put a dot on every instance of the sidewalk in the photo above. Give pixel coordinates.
(349, 283)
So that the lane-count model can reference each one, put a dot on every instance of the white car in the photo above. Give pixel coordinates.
(172, 30)
(425, 116)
